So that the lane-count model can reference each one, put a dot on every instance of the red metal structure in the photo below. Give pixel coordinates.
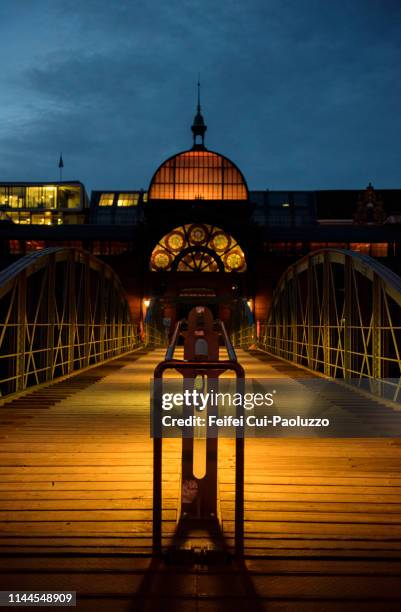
(202, 336)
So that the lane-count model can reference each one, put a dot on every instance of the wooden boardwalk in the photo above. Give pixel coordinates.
(322, 516)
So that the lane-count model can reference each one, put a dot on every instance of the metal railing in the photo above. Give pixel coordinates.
(154, 337)
(339, 313)
(245, 337)
(61, 310)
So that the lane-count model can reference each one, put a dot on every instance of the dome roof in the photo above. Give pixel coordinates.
(198, 174)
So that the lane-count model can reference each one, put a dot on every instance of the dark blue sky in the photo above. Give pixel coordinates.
(301, 94)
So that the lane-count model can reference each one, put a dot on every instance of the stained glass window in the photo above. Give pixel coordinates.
(198, 248)
(198, 175)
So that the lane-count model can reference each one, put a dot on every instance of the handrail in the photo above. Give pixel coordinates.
(365, 264)
(229, 346)
(172, 346)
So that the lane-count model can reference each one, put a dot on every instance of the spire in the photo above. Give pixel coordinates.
(199, 127)
(199, 106)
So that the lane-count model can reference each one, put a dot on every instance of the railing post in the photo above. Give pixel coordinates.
(347, 315)
(325, 319)
(102, 315)
(72, 310)
(285, 321)
(51, 316)
(294, 317)
(21, 333)
(87, 310)
(310, 317)
(377, 327)
(120, 327)
(239, 475)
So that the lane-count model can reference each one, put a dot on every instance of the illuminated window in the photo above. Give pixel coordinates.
(360, 247)
(47, 197)
(198, 248)
(101, 247)
(39, 219)
(336, 245)
(69, 196)
(21, 218)
(41, 197)
(34, 245)
(3, 196)
(379, 249)
(12, 196)
(198, 175)
(128, 199)
(106, 199)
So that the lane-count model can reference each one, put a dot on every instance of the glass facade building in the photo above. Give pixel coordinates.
(44, 203)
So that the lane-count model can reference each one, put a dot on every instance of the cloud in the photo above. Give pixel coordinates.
(298, 96)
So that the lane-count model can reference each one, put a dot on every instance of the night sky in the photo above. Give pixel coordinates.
(301, 94)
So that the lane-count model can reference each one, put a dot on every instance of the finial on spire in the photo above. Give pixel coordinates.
(199, 127)
(199, 104)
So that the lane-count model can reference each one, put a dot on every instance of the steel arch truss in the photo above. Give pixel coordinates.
(339, 313)
(60, 310)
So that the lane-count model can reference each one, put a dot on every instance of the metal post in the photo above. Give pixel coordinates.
(310, 317)
(285, 322)
(87, 310)
(347, 315)
(102, 316)
(51, 316)
(21, 333)
(112, 328)
(377, 328)
(72, 310)
(325, 318)
(239, 475)
(157, 468)
(119, 326)
(294, 317)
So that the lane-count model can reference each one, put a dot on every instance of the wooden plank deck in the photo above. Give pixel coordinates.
(322, 517)
(76, 464)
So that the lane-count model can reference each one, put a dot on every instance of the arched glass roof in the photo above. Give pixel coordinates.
(198, 174)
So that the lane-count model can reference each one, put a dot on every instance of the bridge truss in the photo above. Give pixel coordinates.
(339, 313)
(61, 309)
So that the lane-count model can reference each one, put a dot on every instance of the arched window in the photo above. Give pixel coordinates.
(198, 248)
(198, 175)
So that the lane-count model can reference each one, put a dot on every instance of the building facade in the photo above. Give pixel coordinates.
(199, 234)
